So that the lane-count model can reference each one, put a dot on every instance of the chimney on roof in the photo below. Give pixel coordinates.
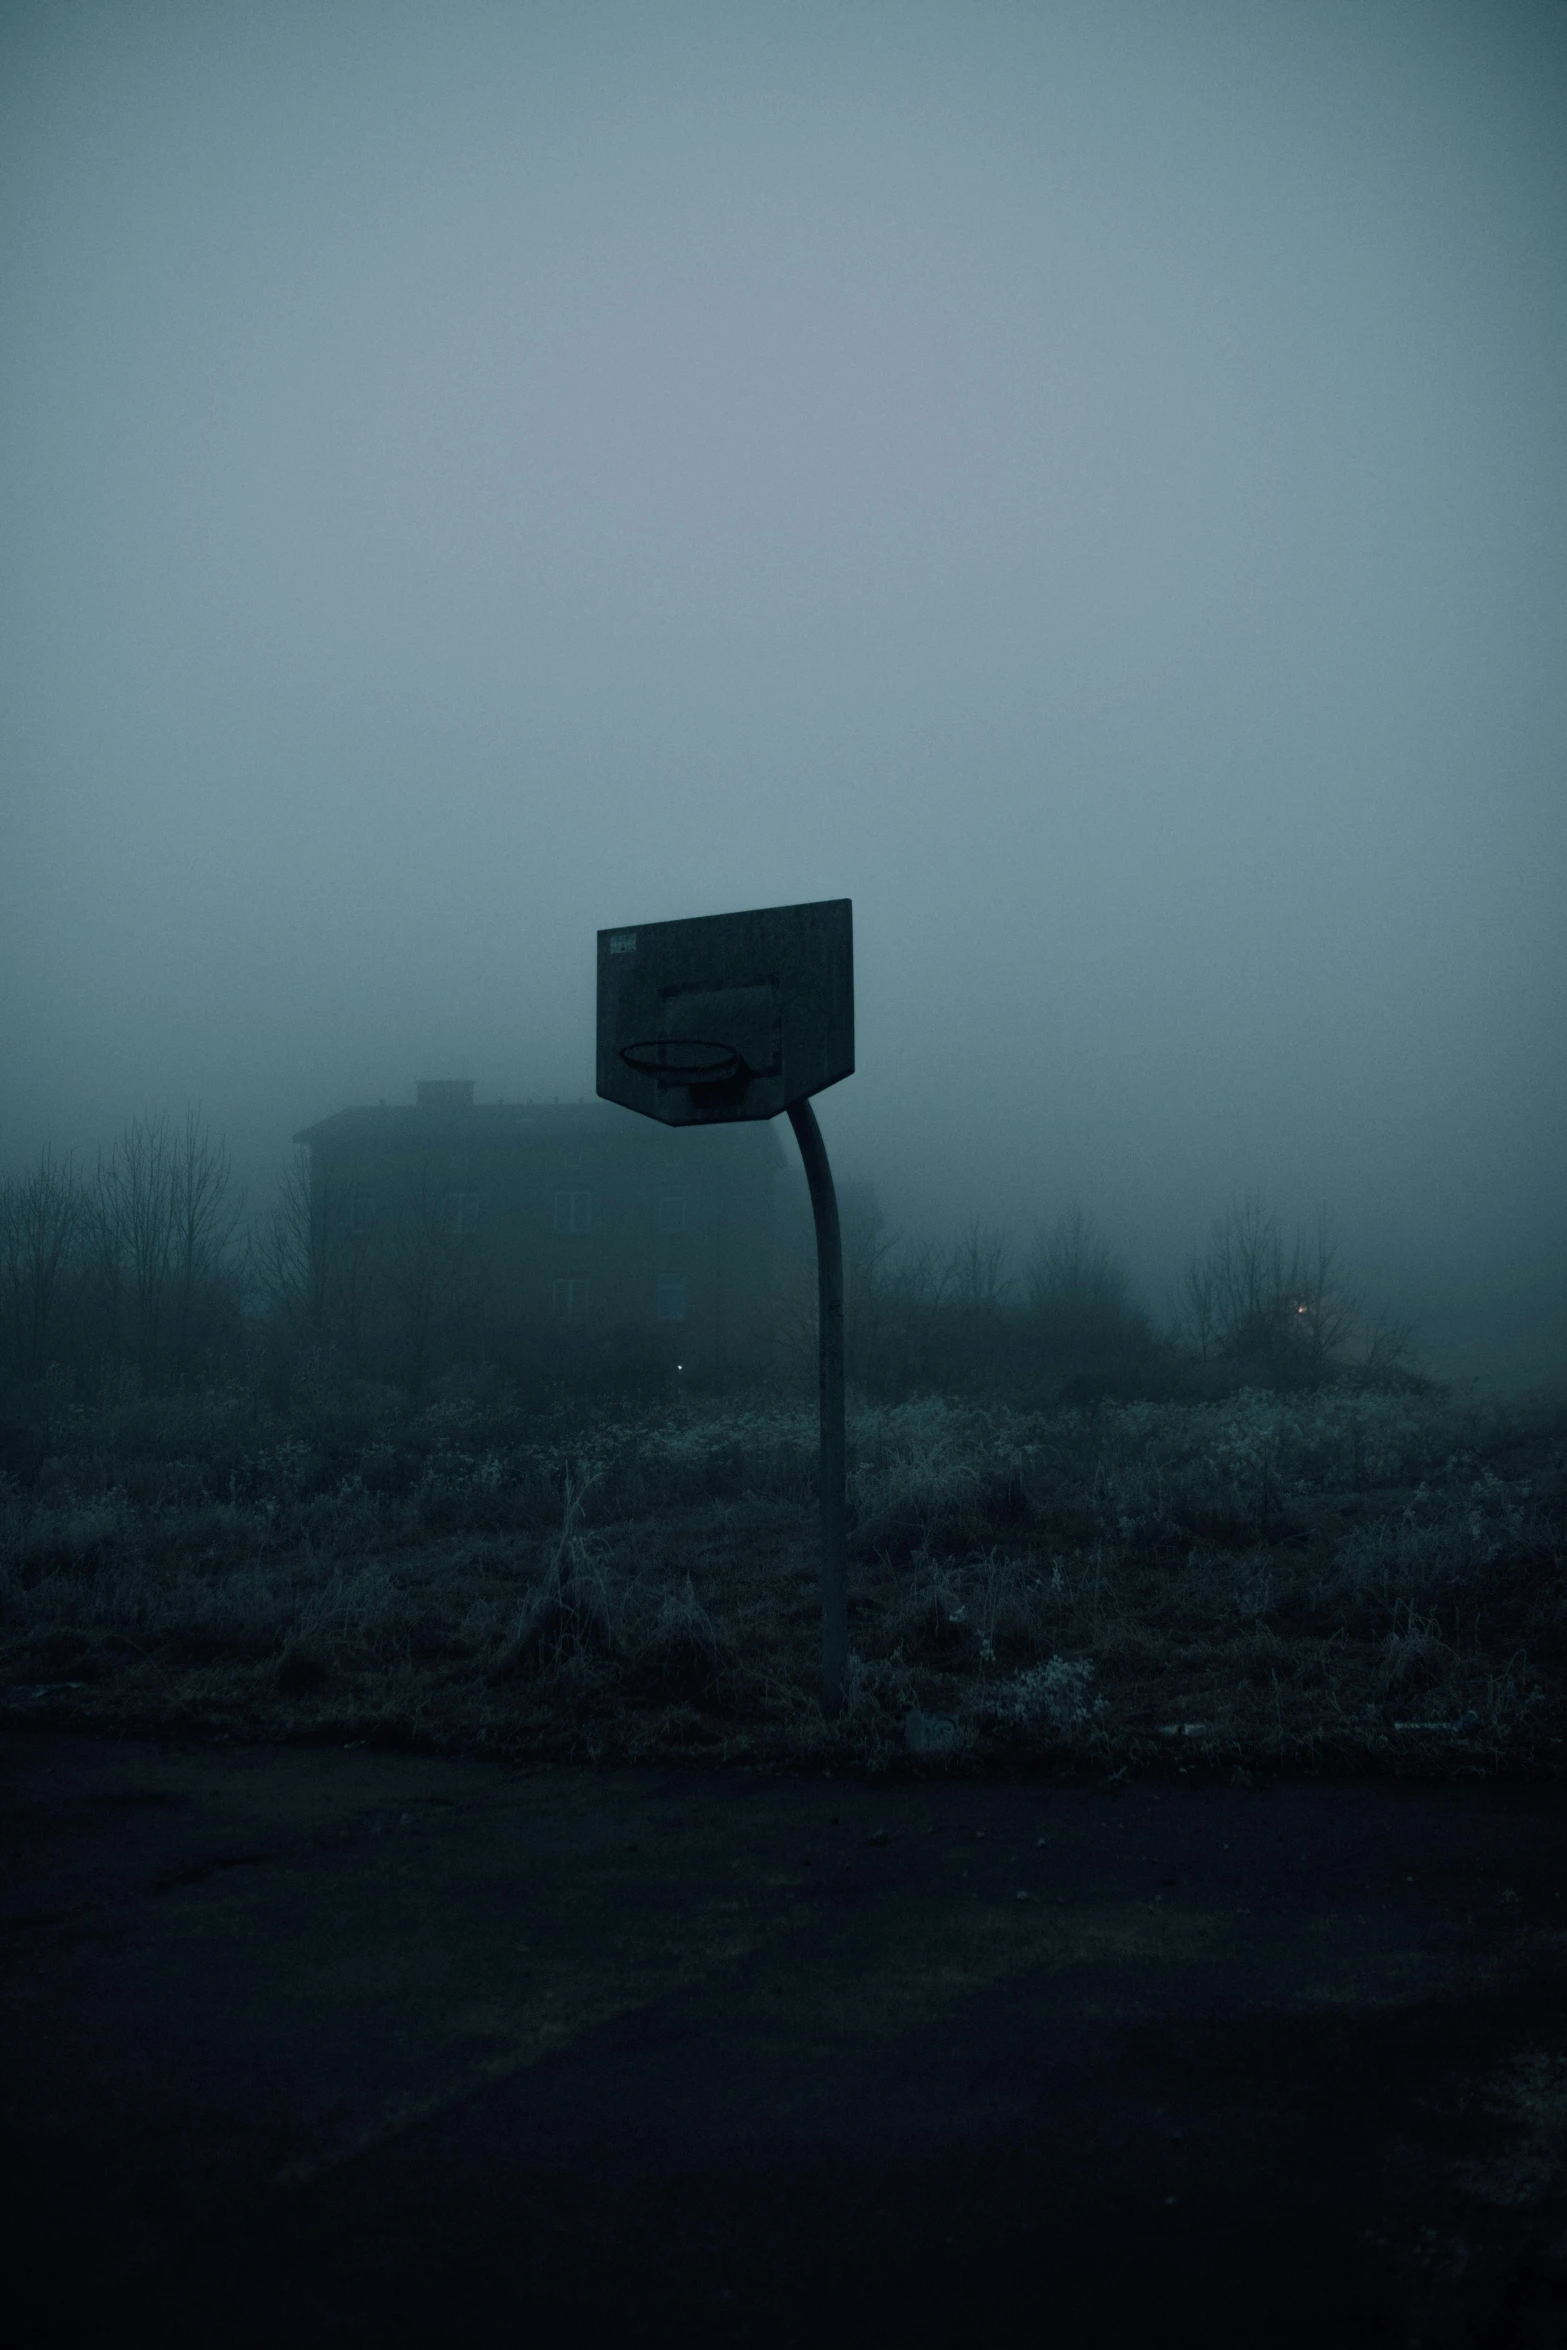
(444, 1093)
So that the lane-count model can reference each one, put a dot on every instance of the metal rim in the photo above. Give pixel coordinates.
(688, 1060)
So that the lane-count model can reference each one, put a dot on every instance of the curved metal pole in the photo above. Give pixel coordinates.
(829, 1325)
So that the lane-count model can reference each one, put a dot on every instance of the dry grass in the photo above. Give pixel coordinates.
(1341, 1581)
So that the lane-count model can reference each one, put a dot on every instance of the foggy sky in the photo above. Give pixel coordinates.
(1085, 482)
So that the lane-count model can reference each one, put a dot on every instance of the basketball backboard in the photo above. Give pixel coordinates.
(726, 1016)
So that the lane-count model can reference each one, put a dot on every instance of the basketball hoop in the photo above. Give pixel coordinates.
(778, 983)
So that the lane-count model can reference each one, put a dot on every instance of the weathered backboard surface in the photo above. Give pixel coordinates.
(729, 1015)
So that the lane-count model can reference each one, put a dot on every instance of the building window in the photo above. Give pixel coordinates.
(573, 1211)
(571, 1300)
(461, 1211)
(361, 1210)
(671, 1301)
(672, 1212)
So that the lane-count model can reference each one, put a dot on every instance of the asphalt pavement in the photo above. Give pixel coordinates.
(337, 2047)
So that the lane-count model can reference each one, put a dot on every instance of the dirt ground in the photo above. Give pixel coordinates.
(338, 2047)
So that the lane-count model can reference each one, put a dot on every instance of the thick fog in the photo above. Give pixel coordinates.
(1084, 481)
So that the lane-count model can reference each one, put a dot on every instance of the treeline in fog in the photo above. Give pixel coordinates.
(144, 1274)
(1254, 1308)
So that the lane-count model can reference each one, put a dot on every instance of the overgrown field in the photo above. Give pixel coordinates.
(1337, 1581)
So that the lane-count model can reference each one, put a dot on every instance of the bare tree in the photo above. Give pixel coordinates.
(137, 1224)
(978, 1277)
(205, 1211)
(284, 1255)
(1323, 1309)
(1248, 1298)
(286, 1267)
(918, 1294)
(1197, 1306)
(1253, 1283)
(1070, 1269)
(1080, 1318)
(324, 1265)
(1387, 1349)
(167, 1211)
(43, 1229)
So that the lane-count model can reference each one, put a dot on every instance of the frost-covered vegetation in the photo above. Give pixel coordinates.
(141, 1273)
(1256, 1537)
(1340, 1578)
